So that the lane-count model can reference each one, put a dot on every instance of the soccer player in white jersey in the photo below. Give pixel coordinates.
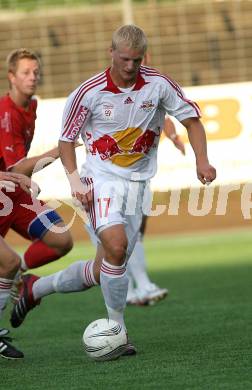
(119, 113)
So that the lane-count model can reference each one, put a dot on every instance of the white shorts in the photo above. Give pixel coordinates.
(116, 201)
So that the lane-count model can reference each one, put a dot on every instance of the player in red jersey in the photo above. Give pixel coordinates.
(29, 217)
(9, 263)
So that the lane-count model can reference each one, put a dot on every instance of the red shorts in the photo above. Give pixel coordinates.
(22, 213)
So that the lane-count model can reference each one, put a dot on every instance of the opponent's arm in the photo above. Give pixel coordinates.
(206, 173)
(26, 165)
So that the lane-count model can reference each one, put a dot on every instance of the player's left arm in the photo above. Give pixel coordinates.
(170, 132)
(206, 173)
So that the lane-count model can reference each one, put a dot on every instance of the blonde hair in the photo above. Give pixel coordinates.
(131, 36)
(16, 55)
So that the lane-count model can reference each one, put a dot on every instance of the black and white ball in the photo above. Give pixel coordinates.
(104, 339)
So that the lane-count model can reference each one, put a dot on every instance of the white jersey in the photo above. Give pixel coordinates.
(121, 129)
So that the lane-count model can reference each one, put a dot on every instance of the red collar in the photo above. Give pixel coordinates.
(32, 105)
(111, 87)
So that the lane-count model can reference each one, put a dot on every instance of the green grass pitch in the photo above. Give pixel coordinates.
(200, 337)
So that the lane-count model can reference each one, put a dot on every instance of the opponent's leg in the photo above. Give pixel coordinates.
(79, 276)
(49, 246)
(9, 263)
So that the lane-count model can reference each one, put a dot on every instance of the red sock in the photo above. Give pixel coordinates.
(39, 254)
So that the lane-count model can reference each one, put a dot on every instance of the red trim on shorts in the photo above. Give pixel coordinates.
(92, 214)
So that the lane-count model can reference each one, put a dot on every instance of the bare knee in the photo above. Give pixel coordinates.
(116, 253)
(10, 265)
(114, 242)
(65, 243)
(60, 241)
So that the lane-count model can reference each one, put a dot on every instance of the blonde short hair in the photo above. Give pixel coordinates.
(17, 55)
(131, 36)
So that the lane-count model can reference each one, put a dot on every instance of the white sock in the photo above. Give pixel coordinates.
(77, 277)
(114, 285)
(131, 286)
(5, 288)
(137, 266)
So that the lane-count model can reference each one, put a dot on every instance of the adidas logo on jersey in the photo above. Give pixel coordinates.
(128, 100)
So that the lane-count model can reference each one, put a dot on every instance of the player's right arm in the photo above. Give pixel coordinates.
(81, 194)
(74, 118)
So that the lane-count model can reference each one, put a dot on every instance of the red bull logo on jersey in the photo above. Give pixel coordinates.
(125, 147)
(106, 146)
(78, 121)
(144, 142)
(147, 105)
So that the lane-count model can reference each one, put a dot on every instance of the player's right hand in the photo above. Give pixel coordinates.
(206, 173)
(81, 192)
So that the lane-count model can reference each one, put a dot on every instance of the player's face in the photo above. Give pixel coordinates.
(26, 77)
(125, 65)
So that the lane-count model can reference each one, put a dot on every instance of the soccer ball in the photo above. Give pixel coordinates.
(104, 339)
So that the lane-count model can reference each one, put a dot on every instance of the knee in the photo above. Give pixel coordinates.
(65, 243)
(10, 265)
(117, 253)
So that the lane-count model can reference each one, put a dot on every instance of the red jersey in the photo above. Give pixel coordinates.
(16, 131)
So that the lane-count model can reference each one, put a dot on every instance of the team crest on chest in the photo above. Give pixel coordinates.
(147, 105)
(108, 111)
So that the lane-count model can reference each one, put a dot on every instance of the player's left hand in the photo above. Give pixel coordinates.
(206, 173)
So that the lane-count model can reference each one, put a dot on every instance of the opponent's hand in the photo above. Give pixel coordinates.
(29, 186)
(10, 180)
(8, 185)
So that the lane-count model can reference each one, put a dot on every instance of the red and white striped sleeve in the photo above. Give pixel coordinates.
(176, 103)
(77, 109)
(75, 115)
